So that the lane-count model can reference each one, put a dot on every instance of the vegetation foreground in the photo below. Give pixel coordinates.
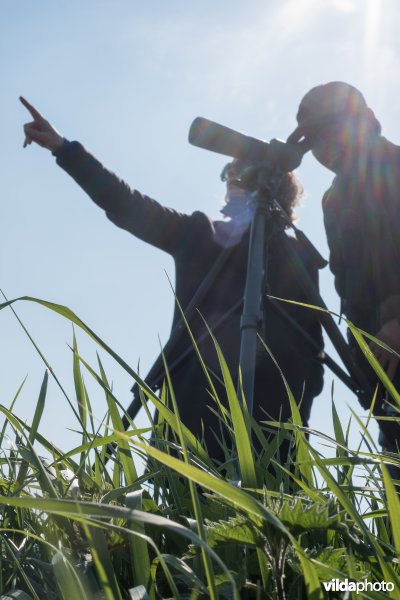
(83, 524)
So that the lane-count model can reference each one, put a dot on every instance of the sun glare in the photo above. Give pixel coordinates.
(372, 26)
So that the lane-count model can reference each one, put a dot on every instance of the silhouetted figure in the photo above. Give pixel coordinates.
(361, 212)
(196, 242)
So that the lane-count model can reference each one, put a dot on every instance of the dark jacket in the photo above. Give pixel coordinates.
(362, 221)
(190, 240)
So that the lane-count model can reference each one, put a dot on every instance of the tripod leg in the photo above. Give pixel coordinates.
(252, 315)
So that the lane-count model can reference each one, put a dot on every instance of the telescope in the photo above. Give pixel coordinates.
(212, 136)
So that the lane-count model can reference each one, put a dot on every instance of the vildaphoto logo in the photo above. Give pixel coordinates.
(346, 585)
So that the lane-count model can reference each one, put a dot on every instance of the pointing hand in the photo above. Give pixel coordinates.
(40, 131)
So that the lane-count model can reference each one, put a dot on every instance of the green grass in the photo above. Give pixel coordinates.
(81, 525)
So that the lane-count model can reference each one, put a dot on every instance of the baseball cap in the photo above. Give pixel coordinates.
(325, 104)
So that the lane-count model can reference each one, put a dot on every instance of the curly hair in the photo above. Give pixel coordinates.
(247, 176)
(289, 194)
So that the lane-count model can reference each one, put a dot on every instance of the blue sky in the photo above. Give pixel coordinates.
(127, 78)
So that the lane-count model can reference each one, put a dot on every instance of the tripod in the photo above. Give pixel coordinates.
(267, 214)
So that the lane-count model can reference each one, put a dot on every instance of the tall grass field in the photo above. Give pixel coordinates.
(121, 517)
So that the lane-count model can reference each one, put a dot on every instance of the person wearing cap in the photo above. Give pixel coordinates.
(196, 243)
(361, 214)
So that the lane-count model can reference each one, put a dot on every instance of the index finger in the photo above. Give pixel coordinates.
(35, 113)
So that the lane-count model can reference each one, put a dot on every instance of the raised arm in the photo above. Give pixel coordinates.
(129, 209)
(40, 131)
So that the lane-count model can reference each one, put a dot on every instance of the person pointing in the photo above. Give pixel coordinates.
(196, 242)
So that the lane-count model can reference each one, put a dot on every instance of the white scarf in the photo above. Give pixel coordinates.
(239, 209)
